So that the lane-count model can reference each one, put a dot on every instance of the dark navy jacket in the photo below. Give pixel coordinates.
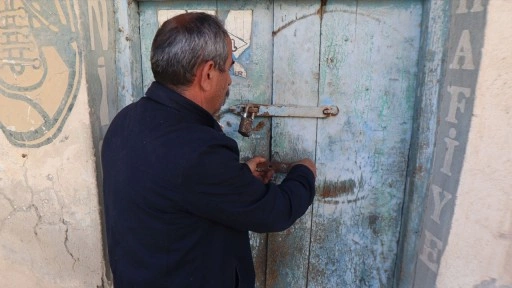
(178, 202)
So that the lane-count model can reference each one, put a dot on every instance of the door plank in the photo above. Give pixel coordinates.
(148, 26)
(295, 81)
(368, 68)
(253, 56)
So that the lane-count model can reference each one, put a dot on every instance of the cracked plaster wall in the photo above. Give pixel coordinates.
(50, 233)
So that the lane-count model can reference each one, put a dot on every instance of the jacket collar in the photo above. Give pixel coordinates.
(168, 97)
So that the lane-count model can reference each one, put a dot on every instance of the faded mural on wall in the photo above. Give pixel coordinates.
(40, 69)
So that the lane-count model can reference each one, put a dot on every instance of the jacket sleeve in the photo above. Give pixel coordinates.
(218, 187)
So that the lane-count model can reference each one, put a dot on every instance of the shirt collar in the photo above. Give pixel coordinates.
(168, 97)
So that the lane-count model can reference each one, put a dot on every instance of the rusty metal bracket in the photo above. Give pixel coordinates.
(278, 167)
(248, 111)
(263, 110)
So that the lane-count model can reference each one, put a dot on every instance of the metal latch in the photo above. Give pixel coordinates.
(248, 111)
(278, 167)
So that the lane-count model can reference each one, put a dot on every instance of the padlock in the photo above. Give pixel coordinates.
(246, 120)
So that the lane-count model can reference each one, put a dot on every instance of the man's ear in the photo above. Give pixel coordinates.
(206, 73)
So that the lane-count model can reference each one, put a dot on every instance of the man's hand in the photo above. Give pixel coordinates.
(264, 175)
(309, 163)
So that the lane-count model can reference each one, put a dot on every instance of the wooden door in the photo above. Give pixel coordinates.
(359, 55)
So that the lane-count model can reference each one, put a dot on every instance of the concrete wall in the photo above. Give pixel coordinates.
(479, 250)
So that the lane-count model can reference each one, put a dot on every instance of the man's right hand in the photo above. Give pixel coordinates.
(309, 163)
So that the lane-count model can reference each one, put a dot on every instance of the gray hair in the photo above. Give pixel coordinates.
(184, 42)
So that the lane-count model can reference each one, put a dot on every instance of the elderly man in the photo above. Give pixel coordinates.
(179, 205)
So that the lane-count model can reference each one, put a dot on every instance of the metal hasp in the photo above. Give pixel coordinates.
(278, 167)
(248, 111)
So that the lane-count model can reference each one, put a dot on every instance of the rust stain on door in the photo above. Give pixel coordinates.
(336, 189)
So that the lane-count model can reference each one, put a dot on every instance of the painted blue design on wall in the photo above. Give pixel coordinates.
(40, 69)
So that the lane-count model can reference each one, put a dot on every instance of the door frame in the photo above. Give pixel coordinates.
(433, 48)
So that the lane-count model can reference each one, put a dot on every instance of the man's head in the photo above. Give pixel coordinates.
(191, 53)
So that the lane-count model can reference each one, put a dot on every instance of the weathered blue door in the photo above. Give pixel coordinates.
(358, 55)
